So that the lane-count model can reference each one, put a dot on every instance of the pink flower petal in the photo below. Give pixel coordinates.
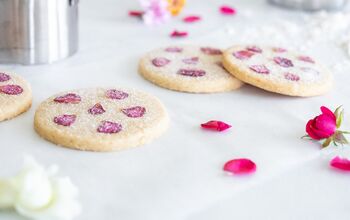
(262, 69)
(177, 33)
(11, 89)
(116, 94)
(211, 51)
(97, 109)
(134, 112)
(137, 14)
(216, 125)
(4, 77)
(227, 10)
(173, 49)
(254, 49)
(340, 163)
(192, 60)
(191, 72)
(243, 54)
(283, 62)
(240, 166)
(291, 76)
(306, 59)
(191, 19)
(328, 112)
(65, 120)
(279, 50)
(109, 127)
(70, 98)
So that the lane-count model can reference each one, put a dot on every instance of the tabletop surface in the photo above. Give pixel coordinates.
(179, 175)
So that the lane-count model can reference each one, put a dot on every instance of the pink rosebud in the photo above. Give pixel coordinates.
(191, 19)
(240, 166)
(216, 125)
(322, 126)
(177, 33)
(227, 10)
(340, 163)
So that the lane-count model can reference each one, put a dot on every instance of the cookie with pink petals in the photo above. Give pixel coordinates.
(15, 96)
(278, 70)
(101, 119)
(188, 69)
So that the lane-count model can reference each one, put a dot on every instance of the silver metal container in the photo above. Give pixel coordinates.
(37, 31)
(312, 5)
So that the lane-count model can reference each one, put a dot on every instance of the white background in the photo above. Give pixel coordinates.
(179, 176)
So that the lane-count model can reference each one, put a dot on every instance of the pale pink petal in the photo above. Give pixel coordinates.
(340, 163)
(216, 125)
(176, 33)
(240, 166)
(227, 10)
(191, 18)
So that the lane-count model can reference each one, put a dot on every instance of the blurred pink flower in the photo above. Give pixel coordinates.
(155, 11)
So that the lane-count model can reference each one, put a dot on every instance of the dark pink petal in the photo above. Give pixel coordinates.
(306, 59)
(97, 109)
(191, 72)
(70, 98)
(340, 163)
(11, 89)
(325, 124)
(179, 34)
(328, 112)
(134, 112)
(137, 14)
(243, 54)
(262, 69)
(116, 94)
(227, 10)
(216, 125)
(4, 77)
(191, 18)
(211, 51)
(173, 49)
(283, 62)
(109, 127)
(279, 50)
(240, 166)
(291, 77)
(192, 60)
(65, 120)
(160, 61)
(254, 49)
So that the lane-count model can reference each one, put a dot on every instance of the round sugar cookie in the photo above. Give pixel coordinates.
(15, 96)
(278, 70)
(101, 119)
(188, 69)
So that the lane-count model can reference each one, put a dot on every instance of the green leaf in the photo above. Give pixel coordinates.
(336, 112)
(327, 142)
(340, 138)
(340, 118)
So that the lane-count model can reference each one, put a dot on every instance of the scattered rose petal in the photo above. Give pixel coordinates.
(283, 62)
(279, 50)
(216, 125)
(191, 18)
(243, 54)
(227, 10)
(192, 60)
(291, 77)
(262, 69)
(340, 163)
(97, 109)
(68, 98)
(191, 72)
(254, 49)
(109, 127)
(160, 61)
(11, 89)
(240, 166)
(173, 49)
(178, 34)
(134, 112)
(306, 59)
(65, 120)
(4, 77)
(211, 51)
(137, 14)
(116, 94)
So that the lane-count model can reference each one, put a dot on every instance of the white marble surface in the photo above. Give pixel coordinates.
(179, 176)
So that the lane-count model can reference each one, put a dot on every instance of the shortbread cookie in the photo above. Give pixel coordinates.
(278, 70)
(101, 119)
(188, 69)
(15, 96)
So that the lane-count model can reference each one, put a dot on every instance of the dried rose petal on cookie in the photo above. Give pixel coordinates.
(11, 89)
(262, 69)
(192, 60)
(134, 112)
(97, 109)
(109, 127)
(254, 49)
(71, 98)
(283, 62)
(160, 61)
(174, 49)
(65, 120)
(191, 72)
(279, 50)
(291, 77)
(116, 94)
(306, 59)
(211, 51)
(243, 54)
(4, 77)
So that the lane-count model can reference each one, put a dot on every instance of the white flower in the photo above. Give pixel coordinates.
(38, 194)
